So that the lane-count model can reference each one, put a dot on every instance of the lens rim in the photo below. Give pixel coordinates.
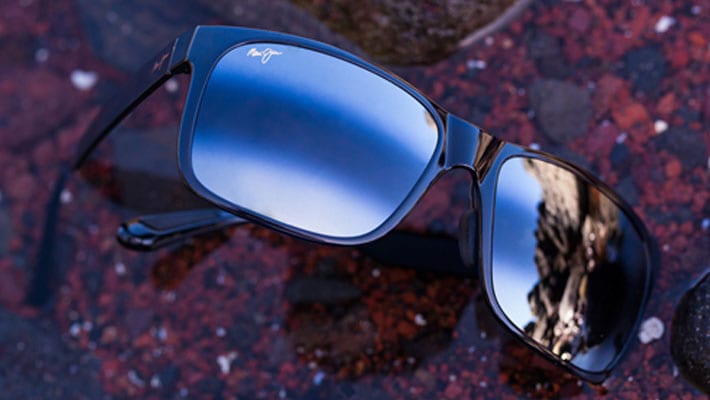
(488, 181)
(211, 45)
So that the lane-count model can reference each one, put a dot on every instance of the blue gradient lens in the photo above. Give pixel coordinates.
(568, 266)
(309, 140)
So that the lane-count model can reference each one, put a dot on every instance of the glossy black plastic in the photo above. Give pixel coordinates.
(459, 145)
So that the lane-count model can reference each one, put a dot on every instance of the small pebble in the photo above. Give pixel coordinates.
(135, 379)
(220, 332)
(155, 382)
(318, 378)
(696, 10)
(476, 64)
(120, 268)
(419, 320)
(664, 23)
(225, 361)
(41, 55)
(660, 126)
(66, 197)
(162, 334)
(622, 137)
(705, 224)
(651, 329)
(74, 329)
(84, 80)
(376, 273)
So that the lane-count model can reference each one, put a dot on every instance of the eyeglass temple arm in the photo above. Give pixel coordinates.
(169, 62)
(407, 249)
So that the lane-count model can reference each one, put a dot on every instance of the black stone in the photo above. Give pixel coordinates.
(169, 376)
(645, 67)
(5, 230)
(481, 106)
(307, 290)
(620, 158)
(37, 364)
(562, 109)
(690, 335)
(686, 144)
(546, 50)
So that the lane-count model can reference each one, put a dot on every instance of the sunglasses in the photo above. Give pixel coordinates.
(311, 141)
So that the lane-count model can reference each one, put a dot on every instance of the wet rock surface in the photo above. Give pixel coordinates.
(5, 230)
(407, 32)
(278, 15)
(37, 363)
(562, 109)
(686, 144)
(690, 336)
(163, 323)
(306, 290)
(546, 51)
(644, 68)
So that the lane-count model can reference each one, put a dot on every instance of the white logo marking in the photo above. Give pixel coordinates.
(265, 55)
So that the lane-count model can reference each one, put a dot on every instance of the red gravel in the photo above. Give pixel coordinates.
(210, 319)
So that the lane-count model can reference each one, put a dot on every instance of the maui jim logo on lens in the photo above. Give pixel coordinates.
(265, 55)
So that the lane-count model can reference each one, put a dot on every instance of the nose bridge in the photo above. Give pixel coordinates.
(462, 141)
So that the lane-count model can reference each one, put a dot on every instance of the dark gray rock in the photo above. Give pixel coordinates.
(278, 15)
(690, 335)
(37, 364)
(627, 189)
(310, 289)
(561, 108)
(645, 67)
(169, 377)
(5, 230)
(619, 158)
(406, 32)
(686, 144)
(546, 51)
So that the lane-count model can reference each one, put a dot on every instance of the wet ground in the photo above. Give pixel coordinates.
(619, 87)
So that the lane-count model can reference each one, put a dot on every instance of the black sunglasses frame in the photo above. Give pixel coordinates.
(460, 144)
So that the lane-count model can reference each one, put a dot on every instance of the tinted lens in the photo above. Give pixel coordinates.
(309, 140)
(569, 268)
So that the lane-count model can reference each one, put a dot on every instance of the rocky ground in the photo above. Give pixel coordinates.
(618, 87)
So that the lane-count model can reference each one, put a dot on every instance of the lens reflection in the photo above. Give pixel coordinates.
(309, 140)
(568, 266)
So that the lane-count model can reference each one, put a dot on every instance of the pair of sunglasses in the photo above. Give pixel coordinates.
(314, 142)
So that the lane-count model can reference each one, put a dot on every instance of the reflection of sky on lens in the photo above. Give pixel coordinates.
(294, 70)
(514, 272)
(309, 140)
(255, 174)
